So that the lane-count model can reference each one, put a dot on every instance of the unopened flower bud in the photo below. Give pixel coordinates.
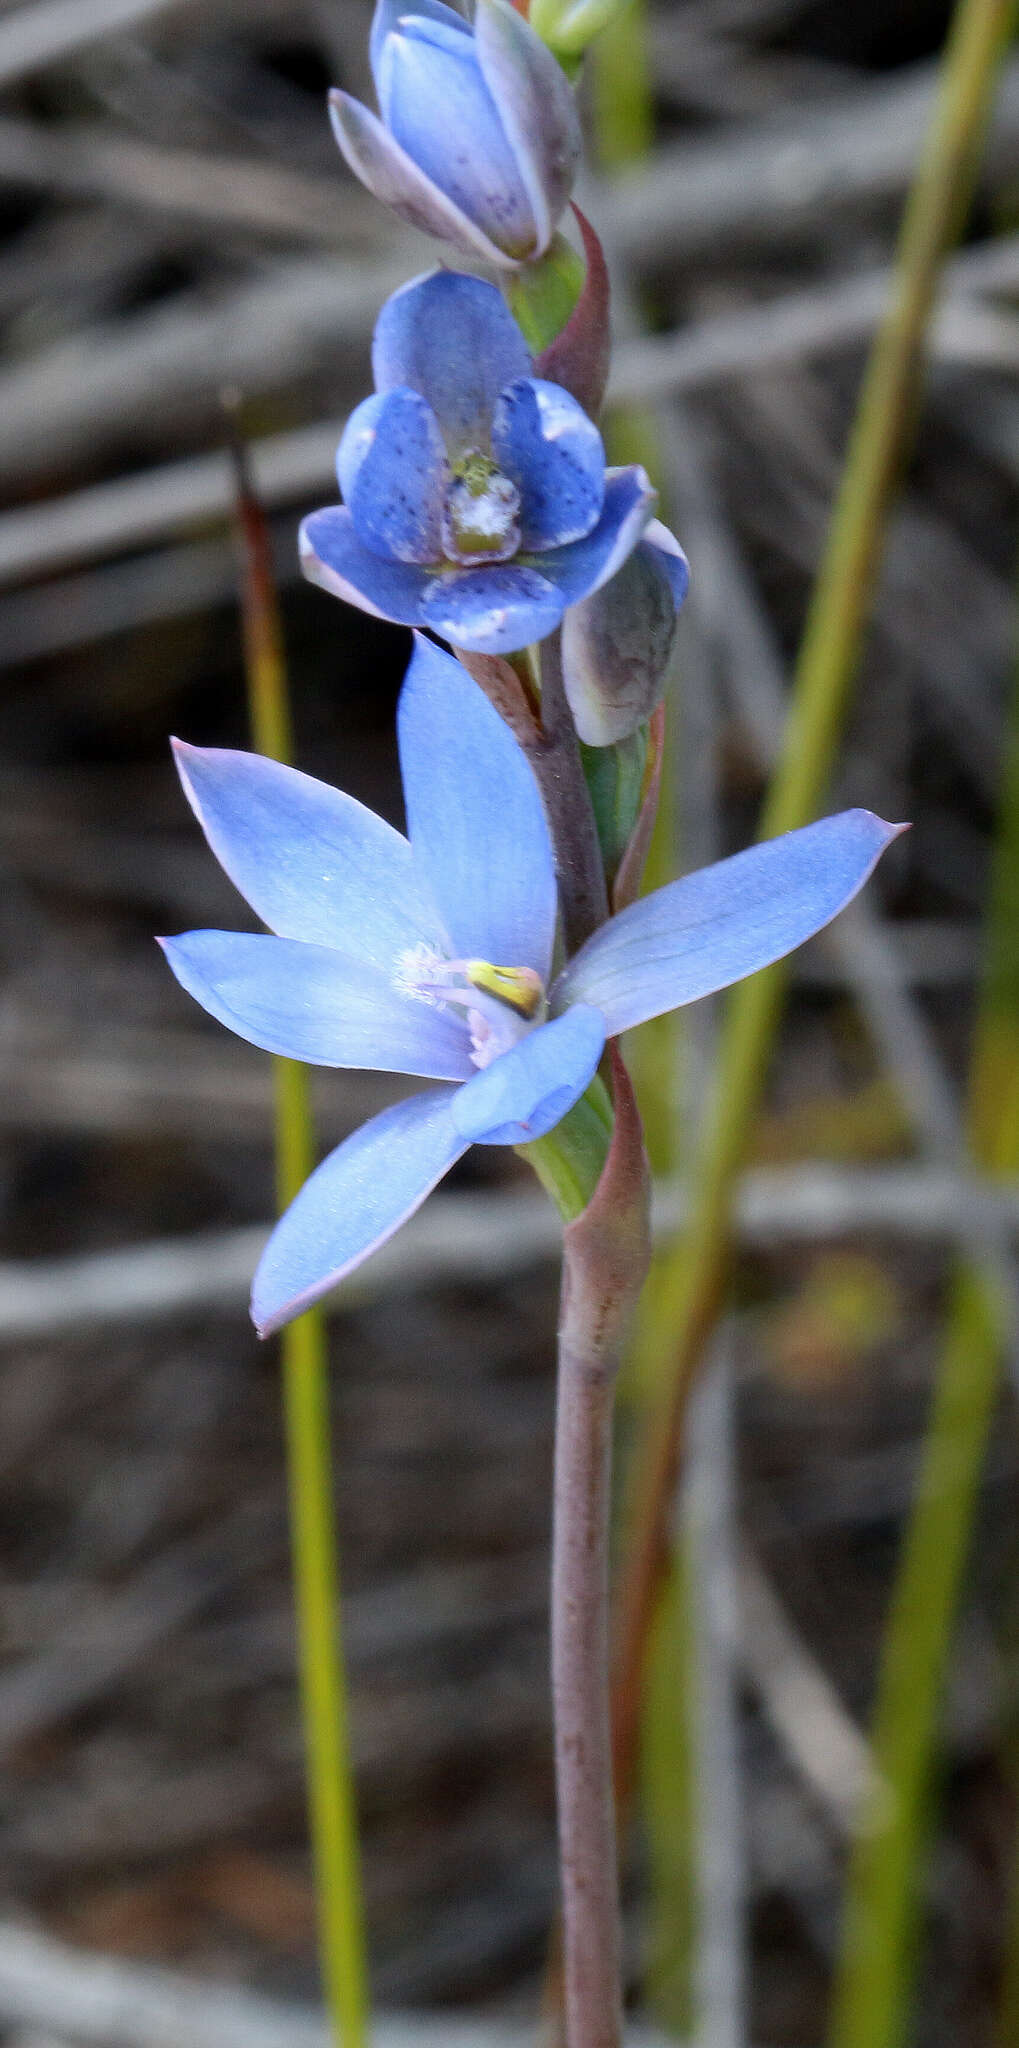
(478, 141)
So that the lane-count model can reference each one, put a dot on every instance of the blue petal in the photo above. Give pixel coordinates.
(528, 1091)
(354, 1201)
(584, 565)
(376, 158)
(536, 107)
(544, 440)
(475, 817)
(391, 15)
(435, 103)
(313, 863)
(333, 557)
(310, 1003)
(492, 610)
(454, 339)
(714, 927)
(394, 476)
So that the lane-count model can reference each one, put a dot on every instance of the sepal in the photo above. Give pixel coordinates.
(578, 356)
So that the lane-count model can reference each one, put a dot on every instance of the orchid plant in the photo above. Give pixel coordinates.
(500, 948)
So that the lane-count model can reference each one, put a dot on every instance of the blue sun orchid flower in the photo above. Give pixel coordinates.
(435, 955)
(478, 503)
(478, 141)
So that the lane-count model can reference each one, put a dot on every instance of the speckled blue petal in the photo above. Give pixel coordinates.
(475, 817)
(376, 158)
(452, 338)
(528, 1090)
(436, 105)
(712, 928)
(394, 476)
(313, 863)
(584, 565)
(494, 610)
(390, 15)
(536, 107)
(353, 1203)
(544, 440)
(311, 1003)
(333, 556)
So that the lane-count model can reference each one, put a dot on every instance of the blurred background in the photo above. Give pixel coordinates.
(174, 219)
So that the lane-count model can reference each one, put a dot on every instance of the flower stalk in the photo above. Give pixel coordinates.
(556, 760)
(606, 1253)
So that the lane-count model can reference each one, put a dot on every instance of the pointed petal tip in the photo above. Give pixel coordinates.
(185, 756)
(886, 831)
(270, 1323)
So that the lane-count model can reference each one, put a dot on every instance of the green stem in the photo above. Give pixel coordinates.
(876, 1969)
(829, 653)
(874, 1978)
(331, 1801)
(621, 89)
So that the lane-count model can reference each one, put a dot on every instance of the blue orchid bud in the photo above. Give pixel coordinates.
(478, 141)
(618, 641)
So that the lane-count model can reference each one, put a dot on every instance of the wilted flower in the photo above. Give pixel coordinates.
(617, 643)
(434, 955)
(477, 498)
(479, 140)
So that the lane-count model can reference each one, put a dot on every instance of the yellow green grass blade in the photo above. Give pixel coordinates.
(305, 1362)
(883, 1894)
(825, 669)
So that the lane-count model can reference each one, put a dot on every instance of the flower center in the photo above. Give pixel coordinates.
(498, 1004)
(480, 519)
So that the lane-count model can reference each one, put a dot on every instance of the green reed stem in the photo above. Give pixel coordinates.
(831, 643)
(621, 89)
(875, 1974)
(331, 1797)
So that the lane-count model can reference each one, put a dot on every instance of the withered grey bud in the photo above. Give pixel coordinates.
(617, 642)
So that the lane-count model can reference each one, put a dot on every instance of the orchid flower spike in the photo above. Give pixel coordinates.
(478, 503)
(479, 139)
(433, 955)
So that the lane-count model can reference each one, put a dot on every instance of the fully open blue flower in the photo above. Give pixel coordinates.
(479, 140)
(435, 955)
(477, 498)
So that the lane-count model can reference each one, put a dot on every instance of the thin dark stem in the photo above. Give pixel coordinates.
(587, 1834)
(555, 757)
